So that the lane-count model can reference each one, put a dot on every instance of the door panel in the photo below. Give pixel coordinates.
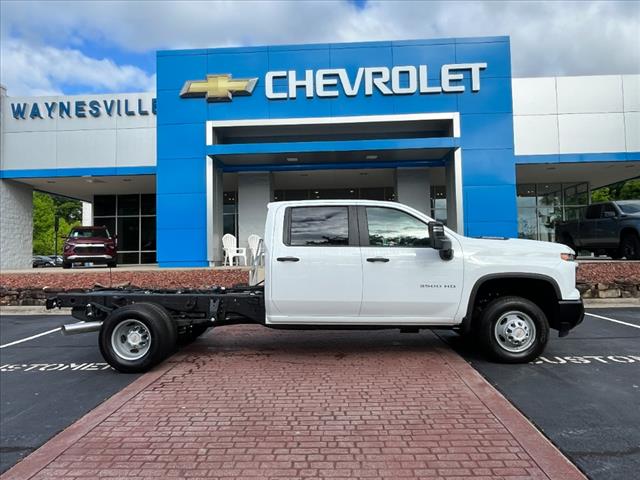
(414, 284)
(316, 267)
(607, 226)
(588, 228)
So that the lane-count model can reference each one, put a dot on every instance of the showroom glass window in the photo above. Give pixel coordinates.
(133, 219)
(392, 228)
(230, 213)
(318, 226)
(439, 203)
(541, 206)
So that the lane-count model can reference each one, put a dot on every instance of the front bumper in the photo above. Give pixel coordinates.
(570, 314)
(89, 258)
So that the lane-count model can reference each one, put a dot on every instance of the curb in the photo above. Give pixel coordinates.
(32, 310)
(550, 460)
(611, 302)
(29, 466)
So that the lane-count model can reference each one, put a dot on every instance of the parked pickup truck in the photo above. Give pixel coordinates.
(612, 228)
(357, 265)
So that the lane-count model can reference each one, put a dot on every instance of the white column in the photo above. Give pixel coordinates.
(87, 214)
(453, 175)
(254, 192)
(16, 225)
(413, 188)
(214, 212)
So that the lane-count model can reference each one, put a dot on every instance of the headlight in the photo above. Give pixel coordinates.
(569, 257)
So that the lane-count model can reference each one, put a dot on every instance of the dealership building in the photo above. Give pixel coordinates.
(440, 125)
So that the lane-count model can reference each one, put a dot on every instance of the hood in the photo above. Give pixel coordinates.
(80, 241)
(517, 246)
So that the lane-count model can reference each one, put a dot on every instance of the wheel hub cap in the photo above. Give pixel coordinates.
(130, 340)
(515, 331)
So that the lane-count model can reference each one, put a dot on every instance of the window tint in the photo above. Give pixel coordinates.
(393, 228)
(593, 211)
(608, 207)
(319, 226)
(104, 205)
(128, 204)
(89, 233)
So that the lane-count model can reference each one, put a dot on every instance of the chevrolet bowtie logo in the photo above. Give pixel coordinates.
(218, 88)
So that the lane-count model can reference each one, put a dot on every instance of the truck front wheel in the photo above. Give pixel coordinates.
(513, 330)
(630, 246)
(136, 337)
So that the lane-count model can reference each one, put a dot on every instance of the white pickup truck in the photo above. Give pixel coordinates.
(354, 264)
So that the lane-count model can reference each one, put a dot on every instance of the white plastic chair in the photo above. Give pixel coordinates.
(231, 250)
(253, 242)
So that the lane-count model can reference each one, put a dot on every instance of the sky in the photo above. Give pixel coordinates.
(53, 47)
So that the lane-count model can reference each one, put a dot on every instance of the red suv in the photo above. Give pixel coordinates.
(89, 245)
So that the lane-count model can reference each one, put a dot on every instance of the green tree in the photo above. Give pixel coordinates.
(625, 190)
(602, 194)
(45, 208)
(630, 190)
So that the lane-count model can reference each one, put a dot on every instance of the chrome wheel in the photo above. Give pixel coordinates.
(515, 331)
(131, 340)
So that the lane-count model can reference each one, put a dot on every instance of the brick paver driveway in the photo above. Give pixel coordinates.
(248, 402)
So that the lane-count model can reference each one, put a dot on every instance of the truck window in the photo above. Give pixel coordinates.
(319, 226)
(593, 212)
(392, 228)
(628, 207)
(608, 207)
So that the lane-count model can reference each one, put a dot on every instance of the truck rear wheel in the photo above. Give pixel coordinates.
(136, 337)
(513, 330)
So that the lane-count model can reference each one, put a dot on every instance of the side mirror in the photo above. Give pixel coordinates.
(439, 240)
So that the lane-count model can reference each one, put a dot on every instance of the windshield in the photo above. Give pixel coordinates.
(630, 207)
(96, 232)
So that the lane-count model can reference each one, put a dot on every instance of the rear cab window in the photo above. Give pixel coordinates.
(321, 226)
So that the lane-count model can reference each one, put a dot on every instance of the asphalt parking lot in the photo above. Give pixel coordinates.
(584, 393)
(47, 383)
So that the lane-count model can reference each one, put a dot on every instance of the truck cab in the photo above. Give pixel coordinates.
(375, 263)
(612, 228)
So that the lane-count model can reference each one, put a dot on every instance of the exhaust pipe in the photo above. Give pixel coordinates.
(81, 327)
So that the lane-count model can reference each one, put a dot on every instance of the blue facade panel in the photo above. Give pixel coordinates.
(486, 140)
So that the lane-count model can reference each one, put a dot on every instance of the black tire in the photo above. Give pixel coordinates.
(66, 264)
(112, 265)
(615, 254)
(161, 330)
(630, 246)
(525, 311)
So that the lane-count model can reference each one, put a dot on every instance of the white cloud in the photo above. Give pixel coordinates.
(28, 70)
(548, 38)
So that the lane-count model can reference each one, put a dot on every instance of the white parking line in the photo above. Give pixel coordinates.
(30, 338)
(613, 320)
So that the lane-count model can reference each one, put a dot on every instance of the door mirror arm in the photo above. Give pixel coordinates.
(446, 252)
(439, 240)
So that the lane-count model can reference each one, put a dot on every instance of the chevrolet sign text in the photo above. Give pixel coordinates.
(400, 80)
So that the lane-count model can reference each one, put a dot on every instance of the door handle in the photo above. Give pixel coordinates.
(288, 259)
(377, 259)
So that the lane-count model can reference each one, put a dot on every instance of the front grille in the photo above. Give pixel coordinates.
(89, 250)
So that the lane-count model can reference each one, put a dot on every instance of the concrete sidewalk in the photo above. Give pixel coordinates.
(252, 403)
